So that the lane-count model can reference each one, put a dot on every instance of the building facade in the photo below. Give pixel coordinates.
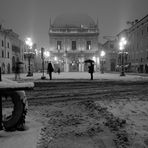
(111, 57)
(5, 51)
(135, 52)
(72, 40)
(138, 45)
(12, 48)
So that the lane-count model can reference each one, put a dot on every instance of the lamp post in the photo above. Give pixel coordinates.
(0, 73)
(102, 54)
(29, 54)
(122, 44)
(1, 127)
(42, 57)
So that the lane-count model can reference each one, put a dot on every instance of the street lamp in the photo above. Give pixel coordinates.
(0, 73)
(47, 57)
(29, 54)
(122, 44)
(102, 54)
(42, 57)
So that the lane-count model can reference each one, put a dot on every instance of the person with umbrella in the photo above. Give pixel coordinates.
(90, 68)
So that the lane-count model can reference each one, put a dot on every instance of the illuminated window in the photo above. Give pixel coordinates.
(88, 45)
(59, 45)
(74, 45)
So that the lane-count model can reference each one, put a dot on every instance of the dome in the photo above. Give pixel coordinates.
(73, 20)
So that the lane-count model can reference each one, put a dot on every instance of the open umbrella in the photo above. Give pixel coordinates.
(20, 62)
(89, 61)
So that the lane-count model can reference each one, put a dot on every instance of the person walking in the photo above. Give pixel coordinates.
(91, 70)
(17, 70)
(50, 70)
(58, 70)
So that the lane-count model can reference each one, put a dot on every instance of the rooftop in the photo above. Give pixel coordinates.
(73, 20)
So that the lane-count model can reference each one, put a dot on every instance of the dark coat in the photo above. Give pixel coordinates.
(17, 68)
(50, 68)
(91, 68)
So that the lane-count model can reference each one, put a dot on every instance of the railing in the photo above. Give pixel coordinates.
(94, 30)
(75, 51)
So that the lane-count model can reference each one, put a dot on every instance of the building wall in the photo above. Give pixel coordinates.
(73, 59)
(5, 53)
(138, 47)
(78, 54)
(11, 49)
(67, 42)
(111, 57)
(136, 50)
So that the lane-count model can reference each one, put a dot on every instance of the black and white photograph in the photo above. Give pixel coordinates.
(73, 73)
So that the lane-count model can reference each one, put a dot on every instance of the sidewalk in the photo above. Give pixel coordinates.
(21, 139)
(81, 75)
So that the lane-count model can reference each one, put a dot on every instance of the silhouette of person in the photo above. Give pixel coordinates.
(17, 70)
(91, 70)
(58, 70)
(50, 70)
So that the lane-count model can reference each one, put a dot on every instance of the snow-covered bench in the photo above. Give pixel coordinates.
(15, 91)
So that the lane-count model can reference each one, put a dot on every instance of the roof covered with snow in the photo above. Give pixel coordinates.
(7, 84)
(73, 20)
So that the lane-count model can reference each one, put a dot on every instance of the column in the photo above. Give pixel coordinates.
(82, 64)
(66, 66)
(79, 65)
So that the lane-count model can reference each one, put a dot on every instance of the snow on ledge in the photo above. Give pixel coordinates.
(6, 83)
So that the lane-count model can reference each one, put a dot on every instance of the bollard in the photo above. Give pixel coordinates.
(1, 127)
(0, 74)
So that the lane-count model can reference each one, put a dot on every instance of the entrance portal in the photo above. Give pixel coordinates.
(73, 67)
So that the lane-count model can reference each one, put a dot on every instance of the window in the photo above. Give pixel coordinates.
(147, 55)
(88, 45)
(8, 55)
(8, 44)
(73, 45)
(2, 43)
(59, 45)
(111, 45)
(2, 54)
(142, 32)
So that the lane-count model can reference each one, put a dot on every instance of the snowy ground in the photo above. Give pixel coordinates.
(83, 113)
(80, 124)
(80, 75)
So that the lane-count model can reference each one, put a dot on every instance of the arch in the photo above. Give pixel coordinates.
(8, 68)
(13, 63)
(3, 68)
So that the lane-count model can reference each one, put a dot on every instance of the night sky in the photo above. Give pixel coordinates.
(30, 18)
